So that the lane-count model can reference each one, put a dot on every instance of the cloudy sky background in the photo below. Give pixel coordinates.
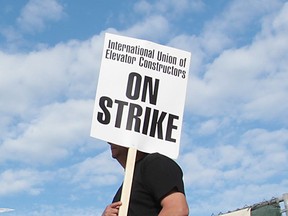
(234, 146)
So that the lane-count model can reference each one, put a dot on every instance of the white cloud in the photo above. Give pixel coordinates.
(266, 142)
(152, 28)
(36, 13)
(280, 22)
(53, 135)
(11, 34)
(257, 157)
(209, 127)
(26, 180)
(252, 168)
(59, 210)
(237, 19)
(65, 71)
(248, 82)
(236, 25)
(159, 17)
(171, 7)
(99, 170)
(49, 99)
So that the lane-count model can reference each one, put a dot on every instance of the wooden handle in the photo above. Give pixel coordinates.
(128, 179)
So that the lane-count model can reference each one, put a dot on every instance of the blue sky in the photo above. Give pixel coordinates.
(234, 145)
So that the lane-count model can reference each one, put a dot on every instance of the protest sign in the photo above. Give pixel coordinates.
(141, 95)
(140, 100)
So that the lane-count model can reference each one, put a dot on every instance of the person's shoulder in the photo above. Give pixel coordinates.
(160, 162)
(157, 157)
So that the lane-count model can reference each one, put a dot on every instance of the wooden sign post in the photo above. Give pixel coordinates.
(128, 179)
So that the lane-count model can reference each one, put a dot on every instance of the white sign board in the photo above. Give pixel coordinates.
(141, 95)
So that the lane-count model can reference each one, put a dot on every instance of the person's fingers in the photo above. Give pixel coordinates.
(116, 204)
(112, 209)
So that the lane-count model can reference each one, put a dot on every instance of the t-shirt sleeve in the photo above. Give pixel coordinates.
(162, 175)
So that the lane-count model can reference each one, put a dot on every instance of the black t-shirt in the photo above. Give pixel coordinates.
(154, 177)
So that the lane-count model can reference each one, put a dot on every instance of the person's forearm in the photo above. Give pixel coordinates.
(174, 204)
